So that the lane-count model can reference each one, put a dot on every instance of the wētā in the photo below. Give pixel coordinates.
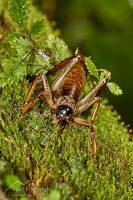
(63, 96)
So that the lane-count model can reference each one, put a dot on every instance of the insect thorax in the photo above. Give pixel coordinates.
(66, 101)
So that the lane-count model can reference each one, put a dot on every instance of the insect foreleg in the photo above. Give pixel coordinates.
(92, 133)
(90, 124)
(87, 105)
(93, 118)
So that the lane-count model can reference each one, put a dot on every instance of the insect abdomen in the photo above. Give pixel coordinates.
(74, 81)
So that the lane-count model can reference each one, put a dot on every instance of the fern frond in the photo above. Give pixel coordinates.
(19, 12)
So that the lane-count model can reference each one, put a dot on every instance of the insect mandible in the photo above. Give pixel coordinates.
(63, 96)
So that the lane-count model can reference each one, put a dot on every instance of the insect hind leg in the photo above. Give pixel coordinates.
(46, 93)
(28, 105)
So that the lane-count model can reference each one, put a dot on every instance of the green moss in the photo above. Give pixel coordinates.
(30, 150)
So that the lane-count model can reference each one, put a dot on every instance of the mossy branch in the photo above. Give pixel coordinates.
(33, 163)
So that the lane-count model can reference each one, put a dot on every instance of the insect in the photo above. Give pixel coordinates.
(63, 96)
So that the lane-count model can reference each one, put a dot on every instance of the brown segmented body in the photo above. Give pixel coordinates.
(74, 81)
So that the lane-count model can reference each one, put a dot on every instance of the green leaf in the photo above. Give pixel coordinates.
(15, 67)
(40, 63)
(19, 12)
(58, 49)
(37, 27)
(91, 67)
(104, 73)
(13, 182)
(13, 72)
(24, 60)
(23, 198)
(114, 88)
(12, 35)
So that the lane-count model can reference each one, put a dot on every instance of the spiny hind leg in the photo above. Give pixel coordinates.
(46, 93)
(31, 103)
(31, 91)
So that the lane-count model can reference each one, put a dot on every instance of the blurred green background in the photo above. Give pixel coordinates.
(105, 27)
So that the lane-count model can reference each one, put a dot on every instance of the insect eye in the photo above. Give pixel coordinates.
(69, 111)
